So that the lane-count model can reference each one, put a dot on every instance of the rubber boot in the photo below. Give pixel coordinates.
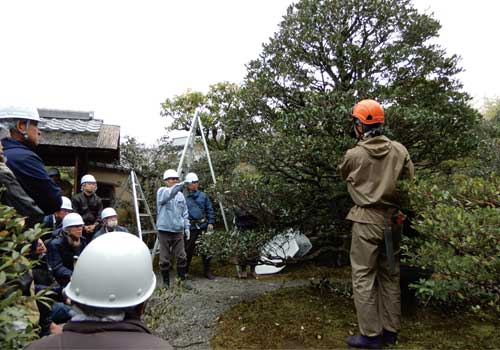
(253, 274)
(183, 282)
(165, 274)
(361, 341)
(389, 338)
(206, 269)
(242, 271)
(188, 264)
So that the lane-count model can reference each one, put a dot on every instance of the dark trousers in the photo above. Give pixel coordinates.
(191, 247)
(172, 243)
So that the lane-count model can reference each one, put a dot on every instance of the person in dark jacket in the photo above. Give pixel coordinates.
(54, 221)
(64, 249)
(13, 195)
(23, 136)
(109, 223)
(201, 219)
(108, 306)
(245, 221)
(88, 204)
(59, 311)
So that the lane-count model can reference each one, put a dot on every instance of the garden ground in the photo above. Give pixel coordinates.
(291, 311)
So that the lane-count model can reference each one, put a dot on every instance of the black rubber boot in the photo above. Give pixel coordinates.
(188, 263)
(361, 341)
(165, 274)
(206, 269)
(183, 282)
(389, 338)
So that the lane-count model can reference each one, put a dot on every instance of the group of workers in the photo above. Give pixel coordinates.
(108, 305)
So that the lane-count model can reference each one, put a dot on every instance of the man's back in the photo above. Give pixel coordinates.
(371, 170)
(127, 334)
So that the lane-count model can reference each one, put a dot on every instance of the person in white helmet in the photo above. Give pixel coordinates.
(108, 290)
(202, 219)
(54, 221)
(62, 250)
(19, 135)
(109, 223)
(89, 205)
(172, 223)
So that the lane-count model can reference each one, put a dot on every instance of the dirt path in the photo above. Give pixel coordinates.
(189, 321)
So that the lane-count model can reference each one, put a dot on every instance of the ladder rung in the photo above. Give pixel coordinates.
(147, 232)
(143, 214)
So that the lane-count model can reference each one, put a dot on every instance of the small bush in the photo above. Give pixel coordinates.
(18, 321)
(243, 245)
(458, 221)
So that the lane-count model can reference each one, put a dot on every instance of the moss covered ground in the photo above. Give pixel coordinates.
(317, 318)
(306, 318)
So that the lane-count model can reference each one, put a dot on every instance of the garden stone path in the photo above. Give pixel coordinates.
(191, 322)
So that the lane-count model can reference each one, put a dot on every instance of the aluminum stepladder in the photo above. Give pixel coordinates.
(132, 184)
(138, 196)
(188, 149)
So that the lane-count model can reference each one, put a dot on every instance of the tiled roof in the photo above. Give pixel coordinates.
(65, 114)
(71, 125)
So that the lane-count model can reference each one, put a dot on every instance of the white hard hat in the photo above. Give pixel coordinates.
(66, 203)
(170, 173)
(19, 112)
(107, 212)
(191, 177)
(87, 178)
(72, 219)
(113, 271)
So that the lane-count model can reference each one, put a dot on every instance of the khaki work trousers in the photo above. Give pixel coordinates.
(376, 290)
(172, 243)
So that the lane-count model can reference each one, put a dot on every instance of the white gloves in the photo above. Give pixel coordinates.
(210, 228)
(187, 234)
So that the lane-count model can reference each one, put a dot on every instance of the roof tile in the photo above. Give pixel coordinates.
(71, 125)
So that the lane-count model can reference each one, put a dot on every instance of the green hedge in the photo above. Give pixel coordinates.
(17, 328)
(458, 225)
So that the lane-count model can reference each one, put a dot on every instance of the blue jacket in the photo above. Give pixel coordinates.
(32, 176)
(50, 222)
(201, 211)
(172, 209)
(60, 257)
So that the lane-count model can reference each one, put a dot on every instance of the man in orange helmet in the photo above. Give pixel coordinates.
(371, 170)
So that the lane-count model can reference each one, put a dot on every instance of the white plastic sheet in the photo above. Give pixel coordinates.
(288, 245)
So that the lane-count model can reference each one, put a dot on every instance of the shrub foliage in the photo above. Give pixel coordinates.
(18, 321)
(458, 223)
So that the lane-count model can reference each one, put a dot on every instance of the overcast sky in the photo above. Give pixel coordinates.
(121, 59)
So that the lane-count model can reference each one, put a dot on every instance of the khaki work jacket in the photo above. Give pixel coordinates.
(372, 169)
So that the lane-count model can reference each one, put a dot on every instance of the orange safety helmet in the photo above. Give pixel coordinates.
(368, 112)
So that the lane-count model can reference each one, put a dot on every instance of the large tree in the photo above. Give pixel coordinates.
(294, 105)
(330, 53)
(327, 55)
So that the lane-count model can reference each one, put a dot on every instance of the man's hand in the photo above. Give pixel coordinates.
(55, 329)
(187, 234)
